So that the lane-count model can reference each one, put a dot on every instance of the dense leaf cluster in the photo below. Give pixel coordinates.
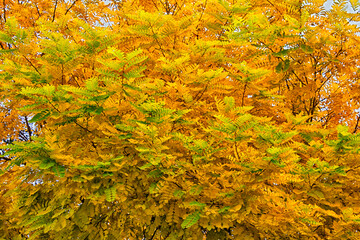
(179, 119)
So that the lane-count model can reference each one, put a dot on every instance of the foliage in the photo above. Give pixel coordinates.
(179, 119)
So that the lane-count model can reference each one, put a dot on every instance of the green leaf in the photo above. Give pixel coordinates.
(190, 220)
(196, 190)
(126, 136)
(46, 165)
(230, 103)
(6, 38)
(99, 97)
(283, 66)
(153, 188)
(282, 53)
(93, 109)
(279, 67)
(197, 204)
(343, 130)
(40, 116)
(316, 194)
(7, 50)
(145, 166)
(286, 65)
(59, 170)
(135, 73)
(92, 84)
(224, 209)
(132, 87)
(133, 54)
(306, 49)
(110, 194)
(179, 193)
(156, 173)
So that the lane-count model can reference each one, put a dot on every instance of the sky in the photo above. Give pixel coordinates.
(328, 4)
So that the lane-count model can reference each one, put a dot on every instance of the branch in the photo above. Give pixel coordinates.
(28, 128)
(37, 8)
(152, 237)
(243, 95)
(5, 158)
(156, 40)
(31, 64)
(4, 10)
(156, 5)
(180, 7)
(67, 10)
(56, 2)
(236, 150)
(357, 124)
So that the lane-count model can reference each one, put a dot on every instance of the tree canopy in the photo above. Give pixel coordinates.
(179, 119)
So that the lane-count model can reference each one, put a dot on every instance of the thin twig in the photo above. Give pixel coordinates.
(32, 65)
(28, 128)
(37, 9)
(67, 10)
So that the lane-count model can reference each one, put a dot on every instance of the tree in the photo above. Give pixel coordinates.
(179, 120)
